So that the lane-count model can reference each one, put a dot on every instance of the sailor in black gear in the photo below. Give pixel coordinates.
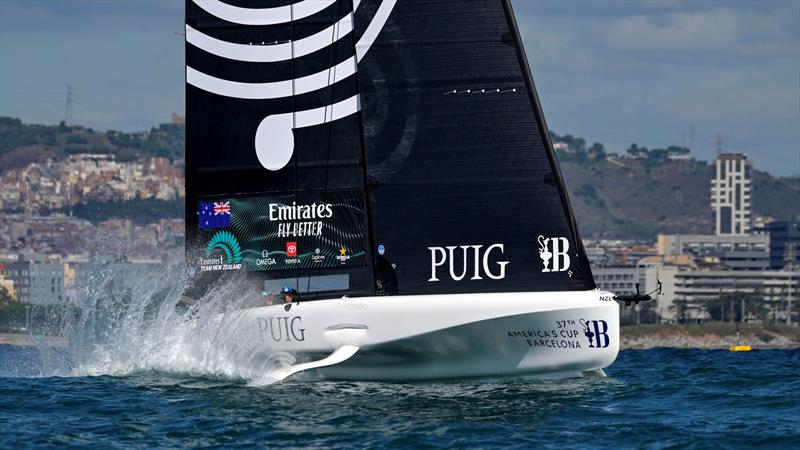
(289, 295)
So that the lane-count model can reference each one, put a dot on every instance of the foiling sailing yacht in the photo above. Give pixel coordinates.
(390, 161)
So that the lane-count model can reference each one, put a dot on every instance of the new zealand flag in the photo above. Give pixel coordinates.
(214, 214)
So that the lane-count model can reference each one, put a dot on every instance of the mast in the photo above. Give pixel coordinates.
(370, 231)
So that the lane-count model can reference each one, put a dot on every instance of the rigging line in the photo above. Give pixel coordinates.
(294, 121)
(365, 175)
(332, 57)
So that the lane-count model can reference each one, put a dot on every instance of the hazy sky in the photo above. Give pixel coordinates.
(612, 72)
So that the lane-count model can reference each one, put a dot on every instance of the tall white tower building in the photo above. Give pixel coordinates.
(731, 195)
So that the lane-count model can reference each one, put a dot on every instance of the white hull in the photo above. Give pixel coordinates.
(440, 336)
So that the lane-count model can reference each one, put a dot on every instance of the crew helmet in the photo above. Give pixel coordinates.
(288, 291)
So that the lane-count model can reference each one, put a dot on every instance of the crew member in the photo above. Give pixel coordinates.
(385, 277)
(269, 298)
(289, 295)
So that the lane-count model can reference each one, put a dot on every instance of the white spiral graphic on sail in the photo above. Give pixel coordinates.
(274, 138)
(263, 16)
(275, 89)
(272, 52)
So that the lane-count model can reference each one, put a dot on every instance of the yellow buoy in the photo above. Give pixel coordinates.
(740, 348)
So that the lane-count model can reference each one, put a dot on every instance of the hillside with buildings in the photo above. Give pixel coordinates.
(75, 170)
(633, 194)
(626, 197)
(742, 271)
(722, 237)
(720, 240)
(23, 144)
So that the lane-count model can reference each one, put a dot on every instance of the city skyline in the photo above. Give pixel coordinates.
(653, 73)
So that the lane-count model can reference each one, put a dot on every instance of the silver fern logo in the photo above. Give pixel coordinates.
(226, 242)
(274, 136)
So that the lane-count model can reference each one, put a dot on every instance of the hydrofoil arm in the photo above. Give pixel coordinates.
(340, 355)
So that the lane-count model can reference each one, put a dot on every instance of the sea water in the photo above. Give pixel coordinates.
(662, 398)
(143, 367)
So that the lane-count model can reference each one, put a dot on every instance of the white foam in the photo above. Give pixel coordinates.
(122, 326)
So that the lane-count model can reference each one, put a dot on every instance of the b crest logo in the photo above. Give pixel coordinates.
(555, 254)
(596, 331)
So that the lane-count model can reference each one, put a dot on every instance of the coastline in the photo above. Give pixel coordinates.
(28, 340)
(709, 336)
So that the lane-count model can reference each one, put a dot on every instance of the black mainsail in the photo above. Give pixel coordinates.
(397, 144)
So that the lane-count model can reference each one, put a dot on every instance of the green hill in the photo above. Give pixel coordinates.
(22, 144)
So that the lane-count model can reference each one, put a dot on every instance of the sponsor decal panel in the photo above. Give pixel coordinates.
(565, 334)
(471, 262)
(291, 253)
(293, 220)
(318, 257)
(281, 328)
(223, 252)
(596, 332)
(306, 230)
(214, 214)
(266, 259)
(343, 256)
(554, 253)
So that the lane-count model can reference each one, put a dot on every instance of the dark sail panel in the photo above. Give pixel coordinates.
(310, 230)
(272, 122)
(465, 191)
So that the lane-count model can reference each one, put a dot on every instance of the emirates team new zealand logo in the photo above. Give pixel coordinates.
(223, 252)
(274, 137)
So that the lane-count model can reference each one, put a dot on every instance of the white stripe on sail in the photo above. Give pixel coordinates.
(274, 139)
(263, 16)
(278, 89)
(275, 89)
(374, 28)
(271, 53)
(275, 136)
